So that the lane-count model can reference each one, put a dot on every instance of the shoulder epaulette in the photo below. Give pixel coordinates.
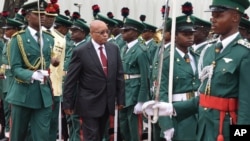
(18, 32)
(244, 43)
(48, 33)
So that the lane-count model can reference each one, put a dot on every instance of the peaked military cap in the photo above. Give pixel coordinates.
(12, 23)
(19, 18)
(136, 25)
(79, 24)
(185, 23)
(63, 20)
(201, 22)
(119, 23)
(32, 5)
(148, 27)
(223, 5)
(168, 24)
(107, 20)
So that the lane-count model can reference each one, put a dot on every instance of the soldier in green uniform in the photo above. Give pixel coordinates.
(185, 80)
(80, 31)
(224, 72)
(157, 134)
(117, 33)
(136, 66)
(30, 94)
(11, 27)
(202, 28)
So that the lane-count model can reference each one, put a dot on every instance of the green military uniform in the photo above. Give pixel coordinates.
(7, 82)
(157, 135)
(75, 122)
(57, 73)
(227, 83)
(185, 85)
(31, 101)
(136, 66)
(118, 38)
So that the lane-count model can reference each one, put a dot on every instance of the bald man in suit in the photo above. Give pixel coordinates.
(100, 84)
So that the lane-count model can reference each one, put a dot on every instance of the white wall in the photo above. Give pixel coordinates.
(150, 8)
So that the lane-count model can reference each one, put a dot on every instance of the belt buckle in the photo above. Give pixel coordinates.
(189, 95)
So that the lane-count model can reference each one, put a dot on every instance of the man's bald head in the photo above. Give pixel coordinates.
(94, 25)
(99, 31)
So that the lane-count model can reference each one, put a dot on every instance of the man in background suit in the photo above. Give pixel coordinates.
(97, 68)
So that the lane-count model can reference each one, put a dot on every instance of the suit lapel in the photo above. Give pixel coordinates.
(94, 56)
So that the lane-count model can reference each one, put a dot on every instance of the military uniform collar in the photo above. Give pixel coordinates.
(228, 40)
(131, 44)
(147, 42)
(117, 36)
(32, 32)
(78, 43)
(196, 46)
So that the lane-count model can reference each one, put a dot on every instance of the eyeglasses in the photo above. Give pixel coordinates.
(103, 32)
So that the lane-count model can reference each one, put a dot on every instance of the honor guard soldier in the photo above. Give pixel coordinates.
(11, 27)
(202, 28)
(136, 66)
(185, 80)
(30, 94)
(157, 134)
(224, 72)
(117, 33)
(62, 25)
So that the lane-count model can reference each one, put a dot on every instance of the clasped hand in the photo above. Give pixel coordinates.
(39, 75)
(164, 109)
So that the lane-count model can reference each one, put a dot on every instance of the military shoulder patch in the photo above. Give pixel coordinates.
(18, 32)
(244, 43)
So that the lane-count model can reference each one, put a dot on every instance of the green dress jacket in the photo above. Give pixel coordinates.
(5, 63)
(23, 92)
(230, 79)
(185, 80)
(135, 62)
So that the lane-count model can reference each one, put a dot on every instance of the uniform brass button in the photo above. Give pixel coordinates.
(223, 69)
(205, 108)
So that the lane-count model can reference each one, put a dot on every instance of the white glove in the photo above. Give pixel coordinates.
(39, 75)
(165, 109)
(168, 134)
(138, 108)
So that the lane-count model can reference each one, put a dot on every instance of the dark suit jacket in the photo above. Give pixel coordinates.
(95, 90)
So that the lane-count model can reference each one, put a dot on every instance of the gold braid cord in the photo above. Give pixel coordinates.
(24, 56)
